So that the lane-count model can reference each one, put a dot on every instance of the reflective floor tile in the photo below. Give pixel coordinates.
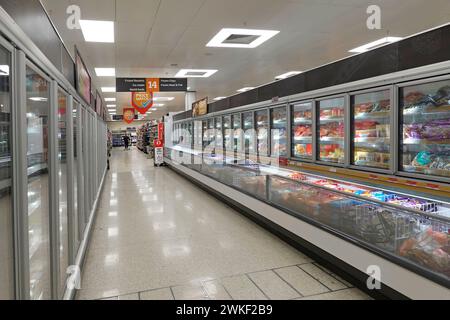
(273, 286)
(242, 288)
(301, 281)
(158, 294)
(323, 277)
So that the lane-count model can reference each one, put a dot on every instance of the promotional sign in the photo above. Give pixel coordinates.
(159, 156)
(161, 132)
(151, 84)
(83, 79)
(200, 108)
(142, 101)
(128, 115)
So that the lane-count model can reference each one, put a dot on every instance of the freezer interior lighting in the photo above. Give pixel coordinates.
(195, 73)
(105, 72)
(287, 75)
(241, 38)
(4, 70)
(375, 44)
(97, 31)
(39, 99)
(219, 98)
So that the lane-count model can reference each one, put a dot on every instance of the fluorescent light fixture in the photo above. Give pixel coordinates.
(163, 98)
(219, 98)
(188, 88)
(158, 105)
(108, 89)
(287, 75)
(241, 38)
(245, 89)
(375, 44)
(105, 72)
(97, 31)
(110, 99)
(195, 73)
(4, 70)
(38, 99)
(111, 105)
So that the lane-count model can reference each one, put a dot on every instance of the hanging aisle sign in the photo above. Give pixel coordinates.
(142, 101)
(151, 84)
(128, 115)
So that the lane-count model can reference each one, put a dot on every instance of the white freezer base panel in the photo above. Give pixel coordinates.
(398, 278)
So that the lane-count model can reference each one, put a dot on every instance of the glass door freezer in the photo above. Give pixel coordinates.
(279, 137)
(425, 128)
(302, 130)
(371, 129)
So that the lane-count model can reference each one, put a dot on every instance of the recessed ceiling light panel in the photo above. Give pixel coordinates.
(219, 98)
(110, 99)
(375, 44)
(195, 73)
(97, 31)
(105, 72)
(163, 98)
(108, 89)
(241, 38)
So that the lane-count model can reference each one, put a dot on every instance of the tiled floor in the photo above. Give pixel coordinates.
(157, 236)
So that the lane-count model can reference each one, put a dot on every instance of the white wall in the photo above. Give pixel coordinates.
(120, 125)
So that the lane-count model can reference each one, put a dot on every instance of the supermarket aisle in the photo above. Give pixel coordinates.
(157, 236)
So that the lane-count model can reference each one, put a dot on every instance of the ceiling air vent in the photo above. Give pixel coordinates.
(195, 73)
(240, 39)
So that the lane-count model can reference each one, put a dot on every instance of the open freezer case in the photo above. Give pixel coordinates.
(371, 129)
(302, 130)
(425, 128)
(331, 130)
(279, 136)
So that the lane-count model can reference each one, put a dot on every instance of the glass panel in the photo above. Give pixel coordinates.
(262, 128)
(302, 132)
(219, 138)
(236, 133)
(75, 170)
(205, 136)
(279, 131)
(6, 173)
(372, 129)
(62, 177)
(38, 106)
(425, 136)
(247, 119)
(227, 136)
(330, 130)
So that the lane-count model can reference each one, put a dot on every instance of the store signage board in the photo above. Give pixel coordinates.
(151, 84)
(128, 115)
(200, 108)
(142, 101)
(83, 78)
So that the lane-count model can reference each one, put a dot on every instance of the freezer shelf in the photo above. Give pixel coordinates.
(425, 140)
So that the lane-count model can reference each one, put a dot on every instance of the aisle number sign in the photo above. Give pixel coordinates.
(151, 84)
(128, 115)
(142, 101)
